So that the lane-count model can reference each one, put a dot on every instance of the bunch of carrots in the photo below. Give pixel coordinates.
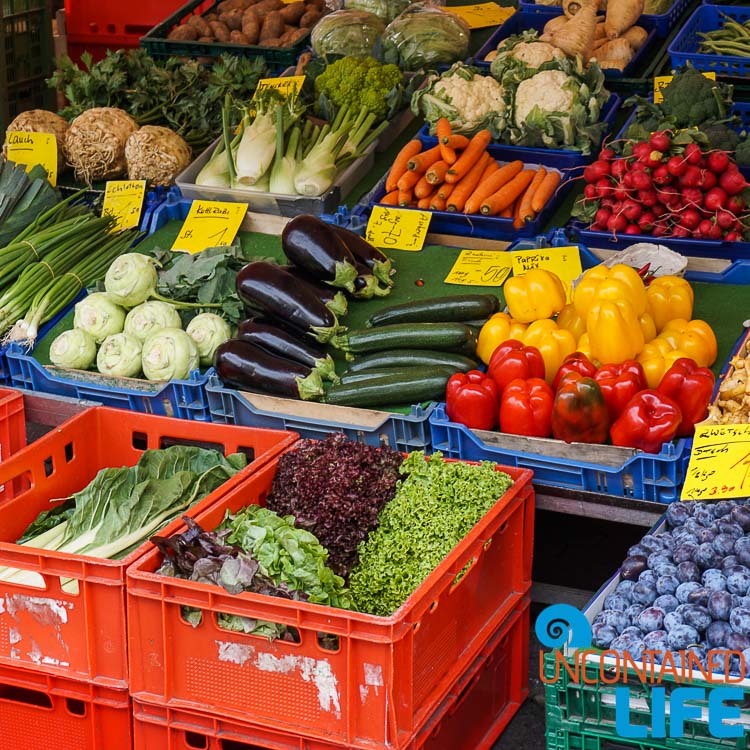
(460, 175)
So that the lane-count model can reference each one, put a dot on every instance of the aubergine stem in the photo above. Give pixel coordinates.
(310, 387)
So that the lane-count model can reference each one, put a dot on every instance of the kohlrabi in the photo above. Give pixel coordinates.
(169, 354)
(149, 317)
(208, 331)
(119, 356)
(99, 315)
(75, 348)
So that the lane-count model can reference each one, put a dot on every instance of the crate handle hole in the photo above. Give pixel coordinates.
(24, 695)
(503, 528)
(193, 739)
(75, 707)
(248, 452)
(140, 441)
(32, 580)
(329, 642)
(487, 544)
(49, 466)
(168, 442)
(462, 575)
(433, 606)
(289, 634)
(69, 452)
(235, 745)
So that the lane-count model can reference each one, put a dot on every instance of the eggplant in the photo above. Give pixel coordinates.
(366, 286)
(334, 299)
(278, 341)
(375, 259)
(269, 288)
(244, 365)
(312, 245)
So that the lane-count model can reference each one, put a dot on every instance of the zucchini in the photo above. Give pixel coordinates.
(438, 310)
(391, 390)
(411, 372)
(441, 336)
(400, 358)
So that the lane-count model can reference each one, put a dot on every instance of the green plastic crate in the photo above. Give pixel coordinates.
(26, 57)
(161, 48)
(589, 709)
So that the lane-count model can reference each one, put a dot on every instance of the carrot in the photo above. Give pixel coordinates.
(457, 141)
(507, 194)
(491, 168)
(422, 189)
(466, 186)
(400, 165)
(507, 213)
(545, 191)
(421, 162)
(491, 185)
(437, 204)
(424, 203)
(477, 146)
(448, 154)
(390, 198)
(408, 180)
(443, 130)
(517, 221)
(525, 211)
(436, 173)
(445, 190)
(405, 197)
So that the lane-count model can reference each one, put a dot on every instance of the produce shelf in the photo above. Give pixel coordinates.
(376, 682)
(82, 635)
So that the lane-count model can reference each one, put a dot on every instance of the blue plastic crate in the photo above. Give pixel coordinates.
(684, 48)
(521, 21)
(663, 23)
(557, 158)
(404, 432)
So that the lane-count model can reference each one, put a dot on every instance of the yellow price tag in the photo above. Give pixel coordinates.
(480, 268)
(481, 15)
(397, 228)
(719, 465)
(123, 199)
(661, 82)
(31, 149)
(288, 86)
(565, 262)
(210, 224)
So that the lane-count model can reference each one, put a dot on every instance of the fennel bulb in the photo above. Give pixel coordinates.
(208, 331)
(256, 150)
(75, 348)
(169, 354)
(119, 356)
(99, 316)
(215, 172)
(149, 317)
(284, 165)
(317, 171)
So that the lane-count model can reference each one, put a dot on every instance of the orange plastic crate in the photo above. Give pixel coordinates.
(472, 717)
(43, 712)
(12, 424)
(83, 635)
(386, 676)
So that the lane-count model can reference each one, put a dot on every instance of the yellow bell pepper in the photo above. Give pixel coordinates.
(500, 327)
(614, 284)
(570, 320)
(535, 295)
(614, 331)
(669, 297)
(584, 346)
(655, 361)
(695, 337)
(647, 326)
(553, 342)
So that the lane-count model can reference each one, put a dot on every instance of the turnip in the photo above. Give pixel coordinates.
(693, 154)
(718, 162)
(676, 166)
(715, 199)
(732, 181)
(660, 141)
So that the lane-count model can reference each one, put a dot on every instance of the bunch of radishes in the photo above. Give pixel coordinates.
(660, 188)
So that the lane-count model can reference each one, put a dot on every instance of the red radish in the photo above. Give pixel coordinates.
(638, 166)
(596, 171)
(732, 237)
(693, 154)
(691, 177)
(676, 166)
(642, 151)
(696, 234)
(640, 180)
(736, 204)
(598, 227)
(619, 168)
(660, 141)
(604, 187)
(648, 197)
(690, 218)
(733, 182)
(718, 161)
(715, 199)
(646, 222)
(708, 179)
(715, 232)
(654, 159)
(659, 209)
(616, 223)
(631, 210)
(632, 229)
(607, 154)
(680, 231)
(661, 175)
(589, 192)
(705, 226)
(659, 230)
(617, 207)
(692, 196)
(607, 203)
(621, 192)
(602, 216)
(724, 219)
(669, 195)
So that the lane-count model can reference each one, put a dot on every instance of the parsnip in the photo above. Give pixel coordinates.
(577, 36)
(621, 15)
(636, 36)
(616, 54)
(554, 24)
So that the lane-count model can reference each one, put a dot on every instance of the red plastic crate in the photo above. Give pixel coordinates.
(43, 712)
(83, 635)
(387, 675)
(472, 717)
(12, 424)
(111, 18)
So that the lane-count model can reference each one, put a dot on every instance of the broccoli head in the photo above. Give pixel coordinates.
(742, 155)
(359, 82)
(692, 99)
(721, 137)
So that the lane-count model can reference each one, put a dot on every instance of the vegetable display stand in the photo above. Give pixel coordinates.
(472, 717)
(156, 43)
(557, 158)
(81, 634)
(404, 432)
(684, 48)
(44, 712)
(368, 682)
(12, 427)
(26, 57)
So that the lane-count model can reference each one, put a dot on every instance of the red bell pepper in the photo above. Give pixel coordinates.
(691, 387)
(471, 399)
(619, 383)
(526, 408)
(512, 360)
(649, 420)
(575, 362)
(579, 414)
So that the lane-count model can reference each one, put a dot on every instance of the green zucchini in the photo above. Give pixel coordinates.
(441, 336)
(403, 388)
(438, 310)
(399, 358)
(365, 376)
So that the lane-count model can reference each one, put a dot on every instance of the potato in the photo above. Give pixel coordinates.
(270, 43)
(251, 25)
(293, 12)
(232, 19)
(284, 39)
(237, 37)
(319, 4)
(207, 40)
(310, 18)
(220, 31)
(297, 35)
(264, 7)
(273, 26)
(184, 33)
(227, 5)
(200, 23)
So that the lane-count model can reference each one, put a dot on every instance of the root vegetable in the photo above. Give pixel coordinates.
(273, 26)
(156, 154)
(201, 24)
(636, 36)
(576, 37)
(219, 31)
(310, 18)
(237, 37)
(600, 32)
(42, 121)
(554, 24)
(232, 19)
(293, 12)
(571, 7)
(251, 25)
(615, 54)
(95, 143)
(184, 33)
(621, 15)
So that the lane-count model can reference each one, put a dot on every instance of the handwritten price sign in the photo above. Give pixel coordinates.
(287, 86)
(398, 229)
(564, 262)
(31, 149)
(719, 463)
(123, 199)
(480, 268)
(481, 15)
(210, 224)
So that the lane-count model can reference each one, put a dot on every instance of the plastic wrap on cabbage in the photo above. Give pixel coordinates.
(424, 36)
(657, 7)
(467, 98)
(386, 10)
(522, 55)
(347, 32)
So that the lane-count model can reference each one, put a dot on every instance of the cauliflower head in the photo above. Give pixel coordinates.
(535, 54)
(547, 90)
(473, 99)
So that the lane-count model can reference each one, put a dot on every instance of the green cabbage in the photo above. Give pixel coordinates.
(347, 32)
(387, 10)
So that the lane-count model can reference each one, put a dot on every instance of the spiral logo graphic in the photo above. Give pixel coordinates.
(563, 624)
